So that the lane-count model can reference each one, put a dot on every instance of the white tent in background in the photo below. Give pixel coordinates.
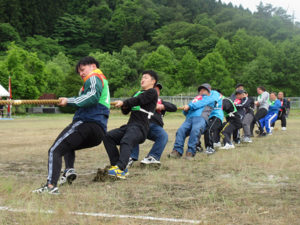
(3, 92)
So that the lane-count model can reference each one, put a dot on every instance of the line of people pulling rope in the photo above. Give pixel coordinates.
(204, 115)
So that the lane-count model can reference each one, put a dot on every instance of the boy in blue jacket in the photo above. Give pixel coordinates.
(272, 115)
(197, 113)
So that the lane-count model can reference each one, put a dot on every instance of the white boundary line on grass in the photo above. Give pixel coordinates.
(4, 208)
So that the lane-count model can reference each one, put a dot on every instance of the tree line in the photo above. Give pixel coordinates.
(187, 42)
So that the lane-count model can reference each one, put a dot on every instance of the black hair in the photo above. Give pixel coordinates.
(88, 60)
(152, 73)
(239, 85)
(262, 88)
(273, 92)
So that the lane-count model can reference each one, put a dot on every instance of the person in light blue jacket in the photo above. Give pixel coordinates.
(272, 115)
(197, 113)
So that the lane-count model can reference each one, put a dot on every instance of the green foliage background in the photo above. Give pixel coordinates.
(187, 42)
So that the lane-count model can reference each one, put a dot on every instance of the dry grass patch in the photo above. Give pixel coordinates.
(256, 183)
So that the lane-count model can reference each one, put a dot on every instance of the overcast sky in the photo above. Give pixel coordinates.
(291, 6)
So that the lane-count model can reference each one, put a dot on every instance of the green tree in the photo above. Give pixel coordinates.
(188, 70)
(164, 63)
(26, 71)
(8, 34)
(46, 48)
(213, 70)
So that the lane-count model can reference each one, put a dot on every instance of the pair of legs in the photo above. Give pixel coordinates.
(268, 120)
(261, 113)
(281, 116)
(159, 136)
(127, 136)
(232, 124)
(212, 133)
(193, 127)
(78, 135)
(246, 123)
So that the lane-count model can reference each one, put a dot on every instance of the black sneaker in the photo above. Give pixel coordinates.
(130, 162)
(263, 134)
(46, 189)
(199, 147)
(68, 176)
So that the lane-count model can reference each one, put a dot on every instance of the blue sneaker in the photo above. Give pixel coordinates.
(116, 172)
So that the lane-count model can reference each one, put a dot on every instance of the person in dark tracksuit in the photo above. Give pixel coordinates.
(233, 122)
(156, 132)
(142, 106)
(89, 123)
(262, 104)
(248, 118)
(239, 103)
(214, 127)
(282, 115)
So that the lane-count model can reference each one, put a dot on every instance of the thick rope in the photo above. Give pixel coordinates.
(34, 102)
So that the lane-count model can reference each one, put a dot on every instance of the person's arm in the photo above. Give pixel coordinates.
(142, 99)
(204, 102)
(169, 107)
(92, 95)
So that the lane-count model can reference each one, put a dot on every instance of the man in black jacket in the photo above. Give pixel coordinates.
(248, 118)
(141, 106)
(156, 132)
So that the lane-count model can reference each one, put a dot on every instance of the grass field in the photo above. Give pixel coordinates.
(257, 183)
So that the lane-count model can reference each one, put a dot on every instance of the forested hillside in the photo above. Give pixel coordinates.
(187, 42)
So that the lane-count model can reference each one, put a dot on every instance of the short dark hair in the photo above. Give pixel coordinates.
(152, 73)
(239, 85)
(273, 92)
(88, 60)
(261, 88)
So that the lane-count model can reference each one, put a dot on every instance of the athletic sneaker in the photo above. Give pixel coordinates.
(237, 142)
(46, 189)
(263, 134)
(247, 140)
(189, 155)
(217, 145)
(115, 171)
(270, 133)
(68, 176)
(210, 150)
(130, 162)
(150, 160)
(174, 154)
(283, 128)
(227, 146)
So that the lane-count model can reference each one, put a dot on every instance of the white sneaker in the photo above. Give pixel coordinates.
(227, 146)
(210, 150)
(270, 133)
(68, 177)
(150, 160)
(247, 140)
(283, 128)
(217, 145)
